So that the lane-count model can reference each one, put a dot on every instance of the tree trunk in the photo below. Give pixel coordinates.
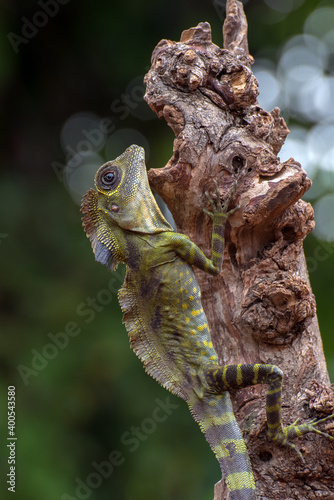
(260, 308)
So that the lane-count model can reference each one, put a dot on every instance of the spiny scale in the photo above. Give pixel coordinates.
(163, 315)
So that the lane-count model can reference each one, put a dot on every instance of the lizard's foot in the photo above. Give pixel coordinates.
(286, 434)
(217, 208)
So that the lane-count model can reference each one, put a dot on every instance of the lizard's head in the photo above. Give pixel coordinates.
(124, 196)
(117, 181)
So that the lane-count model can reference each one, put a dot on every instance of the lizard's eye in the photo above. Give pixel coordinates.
(109, 178)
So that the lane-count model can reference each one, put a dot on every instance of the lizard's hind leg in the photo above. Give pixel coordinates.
(231, 377)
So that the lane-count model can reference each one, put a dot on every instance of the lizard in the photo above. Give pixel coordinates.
(162, 311)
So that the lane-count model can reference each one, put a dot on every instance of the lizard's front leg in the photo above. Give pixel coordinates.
(219, 216)
(191, 253)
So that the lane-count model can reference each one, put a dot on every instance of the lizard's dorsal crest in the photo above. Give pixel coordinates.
(124, 194)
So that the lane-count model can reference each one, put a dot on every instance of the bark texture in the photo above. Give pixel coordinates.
(260, 308)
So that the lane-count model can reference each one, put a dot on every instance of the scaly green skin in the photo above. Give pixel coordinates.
(163, 315)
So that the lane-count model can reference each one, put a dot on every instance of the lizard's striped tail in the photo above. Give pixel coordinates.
(214, 413)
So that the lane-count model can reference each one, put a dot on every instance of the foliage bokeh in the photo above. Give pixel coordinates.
(75, 408)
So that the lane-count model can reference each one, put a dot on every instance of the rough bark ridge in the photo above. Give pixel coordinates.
(260, 308)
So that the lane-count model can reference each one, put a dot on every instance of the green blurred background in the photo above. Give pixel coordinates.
(71, 98)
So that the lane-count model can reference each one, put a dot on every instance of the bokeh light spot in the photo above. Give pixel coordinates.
(83, 132)
(320, 22)
(269, 86)
(79, 174)
(284, 6)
